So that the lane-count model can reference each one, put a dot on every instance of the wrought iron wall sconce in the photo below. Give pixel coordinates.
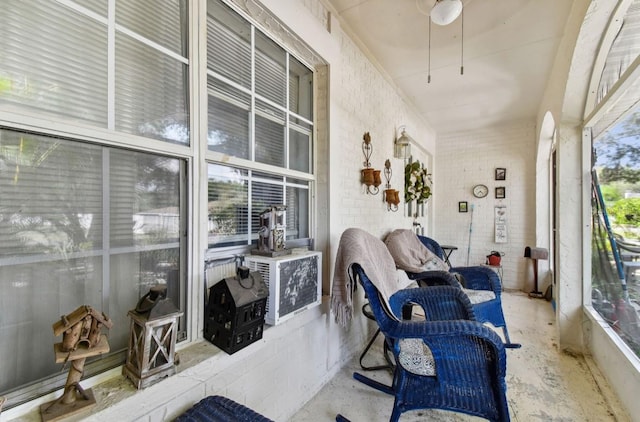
(370, 177)
(391, 196)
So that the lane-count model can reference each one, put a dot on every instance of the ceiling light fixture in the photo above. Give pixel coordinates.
(445, 11)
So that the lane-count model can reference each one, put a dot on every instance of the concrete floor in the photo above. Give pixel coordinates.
(542, 383)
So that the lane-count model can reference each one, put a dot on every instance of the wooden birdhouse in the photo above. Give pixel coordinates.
(81, 328)
(81, 338)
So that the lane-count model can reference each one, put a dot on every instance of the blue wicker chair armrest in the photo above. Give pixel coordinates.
(438, 302)
(479, 278)
(454, 342)
(434, 278)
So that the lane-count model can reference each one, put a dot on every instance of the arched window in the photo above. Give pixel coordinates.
(614, 127)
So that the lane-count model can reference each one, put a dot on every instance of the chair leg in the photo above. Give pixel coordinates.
(366, 350)
(395, 415)
(373, 383)
(507, 342)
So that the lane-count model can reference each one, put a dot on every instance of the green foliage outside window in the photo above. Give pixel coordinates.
(626, 212)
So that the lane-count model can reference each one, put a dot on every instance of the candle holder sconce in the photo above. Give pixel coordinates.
(370, 177)
(391, 196)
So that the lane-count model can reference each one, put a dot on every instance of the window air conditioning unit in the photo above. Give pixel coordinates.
(294, 282)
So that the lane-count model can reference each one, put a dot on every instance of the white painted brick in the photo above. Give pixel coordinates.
(478, 154)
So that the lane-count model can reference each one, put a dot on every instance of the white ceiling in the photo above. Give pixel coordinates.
(509, 48)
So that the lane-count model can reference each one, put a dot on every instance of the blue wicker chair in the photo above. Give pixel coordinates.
(220, 409)
(463, 369)
(475, 278)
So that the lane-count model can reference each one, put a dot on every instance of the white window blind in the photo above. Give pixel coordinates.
(230, 209)
(260, 109)
(84, 223)
(38, 69)
(228, 44)
(269, 134)
(54, 59)
(229, 119)
(228, 206)
(58, 198)
(271, 75)
(162, 25)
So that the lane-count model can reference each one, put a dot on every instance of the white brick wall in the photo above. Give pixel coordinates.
(470, 158)
(367, 103)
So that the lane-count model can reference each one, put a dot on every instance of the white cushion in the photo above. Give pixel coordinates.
(479, 296)
(416, 357)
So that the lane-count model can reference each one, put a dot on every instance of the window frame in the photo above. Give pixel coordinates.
(250, 164)
(196, 156)
(602, 111)
(23, 119)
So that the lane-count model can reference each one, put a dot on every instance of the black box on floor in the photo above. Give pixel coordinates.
(234, 315)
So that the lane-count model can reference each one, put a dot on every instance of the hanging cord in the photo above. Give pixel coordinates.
(462, 45)
(429, 56)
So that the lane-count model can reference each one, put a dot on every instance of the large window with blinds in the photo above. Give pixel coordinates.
(89, 215)
(260, 112)
(80, 224)
(97, 153)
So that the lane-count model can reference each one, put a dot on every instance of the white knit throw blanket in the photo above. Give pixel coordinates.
(410, 254)
(358, 246)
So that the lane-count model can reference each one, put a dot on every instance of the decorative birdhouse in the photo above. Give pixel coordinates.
(152, 338)
(272, 233)
(234, 316)
(81, 338)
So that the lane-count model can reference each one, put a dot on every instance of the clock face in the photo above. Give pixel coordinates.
(480, 191)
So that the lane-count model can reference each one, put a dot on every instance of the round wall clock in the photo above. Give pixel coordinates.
(480, 191)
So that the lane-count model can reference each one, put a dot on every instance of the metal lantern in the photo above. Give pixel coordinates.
(152, 338)
(234, 315)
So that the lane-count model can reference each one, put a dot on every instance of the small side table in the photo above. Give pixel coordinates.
(448, 250)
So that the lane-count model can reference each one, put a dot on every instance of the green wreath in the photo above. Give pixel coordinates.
(417, 183)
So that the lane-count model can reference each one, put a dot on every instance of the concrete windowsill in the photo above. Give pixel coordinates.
(200, 361)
